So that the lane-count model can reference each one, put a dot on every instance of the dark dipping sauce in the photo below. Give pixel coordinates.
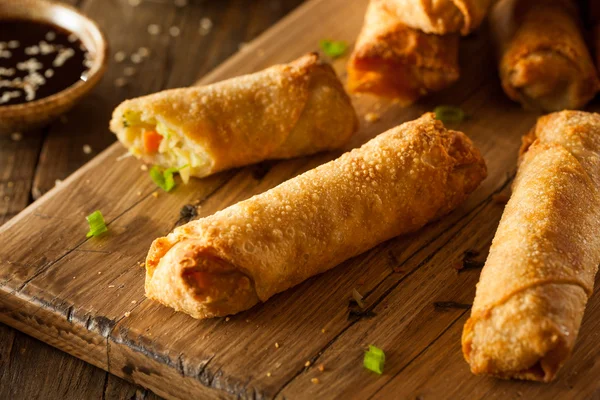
(37, 60)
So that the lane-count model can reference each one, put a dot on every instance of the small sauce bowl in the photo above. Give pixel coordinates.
(37, 113)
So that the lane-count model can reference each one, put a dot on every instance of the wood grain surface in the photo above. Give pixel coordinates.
(85, 296)
(30, 167)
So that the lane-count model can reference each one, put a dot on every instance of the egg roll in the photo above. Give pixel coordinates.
(394, 61)
(240, 256)
(540, 271)
(281, 112)
(544, 62)
(440, 17)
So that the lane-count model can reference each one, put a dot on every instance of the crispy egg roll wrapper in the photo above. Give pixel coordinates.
(540, 271)
(395, 61)
(394, 184)
(281, 112)
(440, 17)
(544, 61)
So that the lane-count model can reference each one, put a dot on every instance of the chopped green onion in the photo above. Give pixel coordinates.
(449, 114)
(333, 48)
(164, 179)
(97, 224)
(374, 359)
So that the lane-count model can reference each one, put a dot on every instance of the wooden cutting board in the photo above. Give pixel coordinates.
(86, 297)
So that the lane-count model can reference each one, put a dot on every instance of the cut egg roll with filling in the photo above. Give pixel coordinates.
(240, 256)
(394, 61)
(544, 62)
(440, 17)
(540, 272)
(281, 112)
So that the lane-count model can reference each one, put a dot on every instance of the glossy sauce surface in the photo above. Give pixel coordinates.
(38, 60)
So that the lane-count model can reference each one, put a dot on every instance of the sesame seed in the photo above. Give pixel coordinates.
(315, 380)
(120, 82)
(143, 51)
(174, 31)
(307, 364)
(153, 29)
(87, 149)
(136, 58)
(205, 26)
(129, 71)
(276, 345)
(16, 136)
(120, 56)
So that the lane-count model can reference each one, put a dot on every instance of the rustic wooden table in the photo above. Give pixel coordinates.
(195, 36)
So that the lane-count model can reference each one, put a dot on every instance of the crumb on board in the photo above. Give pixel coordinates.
(276, 345)
(315, 380)
(227, 319)
(155, 194)
(321, 367)
(111, 286)
(133, 301)
(144, 167)
(87, 149)
(307, 364)
(99, 272)
(269, 374)
(127, 314)
(57, 182)
(323, 330)
(139, 193)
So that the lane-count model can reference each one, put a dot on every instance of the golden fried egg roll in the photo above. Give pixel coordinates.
(540, 271)
(440, 17)
(394, 184)
(544, 62)
(284, 111)
(395, 61)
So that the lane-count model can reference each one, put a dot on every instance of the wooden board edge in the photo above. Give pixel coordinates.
(94, 343)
